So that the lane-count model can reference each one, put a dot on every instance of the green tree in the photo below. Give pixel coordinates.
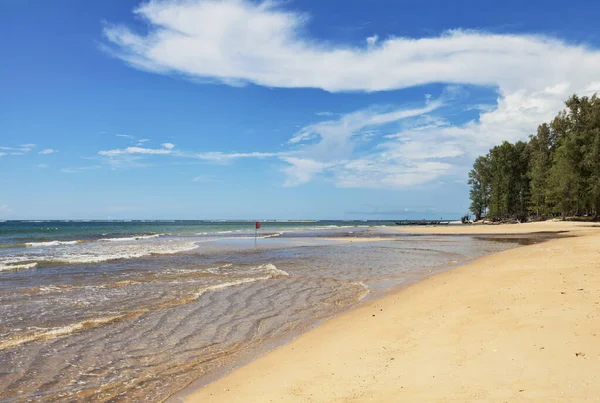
(480, 181)
(563, 180)
(557, 171)
(540, 151)
(509, 193)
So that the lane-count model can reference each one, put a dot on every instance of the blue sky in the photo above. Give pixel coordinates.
(298, 109)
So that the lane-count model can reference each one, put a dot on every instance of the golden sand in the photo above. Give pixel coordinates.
(520, 325)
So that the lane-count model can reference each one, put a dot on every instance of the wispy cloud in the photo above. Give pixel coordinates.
(205, 179)
(325, 113)
(133, 139)
(42, 166)
(302, 170)
(132, 157)
(48, 151)
(4, 209)
(393, 211)
(222, 157)
(328, 149)
(80, 169)
(167, 149)
(18, 150)
(137, 156)
(331, 145)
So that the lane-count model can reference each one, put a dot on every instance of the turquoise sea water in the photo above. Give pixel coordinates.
(27, 244)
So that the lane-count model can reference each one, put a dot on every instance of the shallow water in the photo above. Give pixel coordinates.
(141, 326)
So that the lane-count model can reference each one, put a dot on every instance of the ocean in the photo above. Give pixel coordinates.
(138, 310)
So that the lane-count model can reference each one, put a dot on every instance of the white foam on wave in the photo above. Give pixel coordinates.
(94, 252)
(49, 333)
(128, 239)
(273, 270)
(270, 272)
(117, 254)
(122, 239)
(17, 266)
(50, 243)
(365, 292)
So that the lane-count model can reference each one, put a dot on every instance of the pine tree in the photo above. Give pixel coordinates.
(480, 181)
(541, 161)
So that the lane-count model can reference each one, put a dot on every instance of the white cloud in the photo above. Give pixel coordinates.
(262, 43)
(42, 166)
(137, 150)
(47, 151)
(220, 157)
(325, 113)
(20, 150)
(80, 169)
(333, 135)
(204, 179)
(238, 41)
(4, 209)
(2, 154)
(132, 156)
(138, 142)
(381, 172)
(302, 170)
(372, 40)
(330, 146)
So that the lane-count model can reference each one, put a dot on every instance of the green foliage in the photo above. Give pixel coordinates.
(481, 185)
(541, 154)
(557, 172)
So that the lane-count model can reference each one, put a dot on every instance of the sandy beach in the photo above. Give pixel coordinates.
(519, 325)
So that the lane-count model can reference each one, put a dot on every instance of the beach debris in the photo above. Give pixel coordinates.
(580, 354)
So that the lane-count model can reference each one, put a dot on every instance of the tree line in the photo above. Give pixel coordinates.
(555, 173)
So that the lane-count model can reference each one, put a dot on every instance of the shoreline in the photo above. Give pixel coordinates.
(295, 371)
(283, 340)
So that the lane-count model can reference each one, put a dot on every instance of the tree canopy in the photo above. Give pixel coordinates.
(556, 172)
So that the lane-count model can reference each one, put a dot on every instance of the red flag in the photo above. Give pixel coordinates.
(257, 225)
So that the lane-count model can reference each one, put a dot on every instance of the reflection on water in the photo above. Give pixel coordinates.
(143, 328)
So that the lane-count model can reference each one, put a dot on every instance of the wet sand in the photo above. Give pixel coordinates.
(497, 229)
(519, 325)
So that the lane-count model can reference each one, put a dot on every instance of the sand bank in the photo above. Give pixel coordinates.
(520, 325)
(525, 228)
